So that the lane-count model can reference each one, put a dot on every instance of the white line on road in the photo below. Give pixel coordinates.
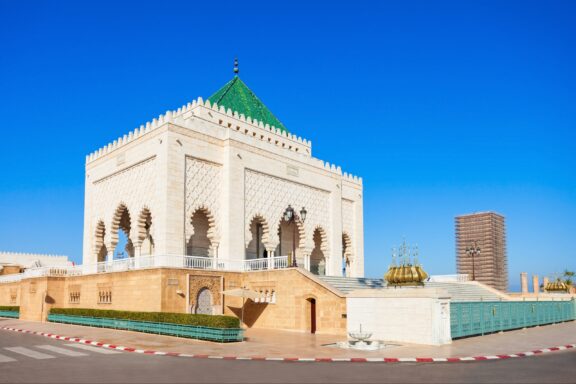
(93, 349)
(62, 351)
(5, 359)
(29, 353)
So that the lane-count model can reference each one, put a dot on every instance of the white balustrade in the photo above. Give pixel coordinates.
(11, 278)
(449, 278)
(255, 264)
(152, 261)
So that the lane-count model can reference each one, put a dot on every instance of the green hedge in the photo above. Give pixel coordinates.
(213, 321)
(9, 308)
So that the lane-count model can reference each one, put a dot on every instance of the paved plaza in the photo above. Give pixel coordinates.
(30, 358)
(273, 343)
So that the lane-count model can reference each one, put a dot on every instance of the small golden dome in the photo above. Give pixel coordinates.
(556, 286)
(405, 275)
(408, 272)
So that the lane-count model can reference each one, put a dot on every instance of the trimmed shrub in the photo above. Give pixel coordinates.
(212, 321)
(10, 308)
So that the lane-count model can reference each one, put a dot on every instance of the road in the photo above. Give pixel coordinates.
(31, 358)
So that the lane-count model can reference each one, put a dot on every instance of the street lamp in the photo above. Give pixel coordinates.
(289, 217)
(473, 250)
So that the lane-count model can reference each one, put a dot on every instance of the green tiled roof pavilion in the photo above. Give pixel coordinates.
(239, 98)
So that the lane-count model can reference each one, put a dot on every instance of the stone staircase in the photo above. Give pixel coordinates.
(459, 291)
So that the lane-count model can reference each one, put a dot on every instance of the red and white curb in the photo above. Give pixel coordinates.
(299, 359)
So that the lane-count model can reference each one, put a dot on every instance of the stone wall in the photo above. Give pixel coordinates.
(10, 269)
(175, 290)
(292, 288)
(420, 316)
(10, 294)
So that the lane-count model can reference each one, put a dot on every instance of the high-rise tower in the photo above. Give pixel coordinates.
(481, 248)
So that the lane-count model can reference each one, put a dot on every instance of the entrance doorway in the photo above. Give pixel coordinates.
(312, 305)
(204, 302)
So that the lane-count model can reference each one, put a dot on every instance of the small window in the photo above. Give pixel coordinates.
(105, 296)
(74, 297)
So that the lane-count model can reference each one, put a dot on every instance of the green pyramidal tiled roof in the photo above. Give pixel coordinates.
(239, 98)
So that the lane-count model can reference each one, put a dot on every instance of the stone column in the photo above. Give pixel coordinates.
(524, 282)
(137, 255)
(536, 283)
(232, 244)
(110, 255)
(545, 282)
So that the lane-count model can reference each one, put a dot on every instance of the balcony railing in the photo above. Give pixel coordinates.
(154, 261)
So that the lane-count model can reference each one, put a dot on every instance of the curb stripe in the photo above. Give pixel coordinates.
(300, 359)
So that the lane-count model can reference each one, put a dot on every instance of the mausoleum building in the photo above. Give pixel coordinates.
(218, 197)
(214, 179)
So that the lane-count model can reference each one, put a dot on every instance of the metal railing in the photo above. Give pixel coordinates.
(153, 261)
(10, 314)
(479, 318)
(181, 330)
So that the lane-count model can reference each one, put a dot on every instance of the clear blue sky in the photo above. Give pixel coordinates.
(444, 108)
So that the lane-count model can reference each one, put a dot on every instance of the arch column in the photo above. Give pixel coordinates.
(307, 261)
(271, 249)
(136, 244)
(110, 255)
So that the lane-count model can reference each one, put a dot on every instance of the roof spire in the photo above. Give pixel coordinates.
(236, 70)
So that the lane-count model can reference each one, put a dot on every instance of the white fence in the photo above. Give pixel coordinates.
(449, 278)
(155, 261)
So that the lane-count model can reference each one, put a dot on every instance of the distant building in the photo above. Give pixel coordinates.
(14, 262)
(481, 248)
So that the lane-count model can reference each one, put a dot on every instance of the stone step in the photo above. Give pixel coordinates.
(459, 291)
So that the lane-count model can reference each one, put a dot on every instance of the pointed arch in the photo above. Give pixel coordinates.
(292, 240)
(144, 235)
(100, 250)
(323, 237)
(212, 227)
(122, 221)
(319, 253)
(258, 242)
(144, 224)
(202, 239)
(347, 255)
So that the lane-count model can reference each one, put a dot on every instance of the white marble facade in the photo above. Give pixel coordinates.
(205, 181)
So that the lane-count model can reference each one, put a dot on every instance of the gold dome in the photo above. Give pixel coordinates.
(556, 286)
(407, 274)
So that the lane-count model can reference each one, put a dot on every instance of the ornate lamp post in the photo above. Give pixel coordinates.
(473, 250)
(290, 217)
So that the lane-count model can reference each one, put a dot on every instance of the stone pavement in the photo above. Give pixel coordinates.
(282, 344)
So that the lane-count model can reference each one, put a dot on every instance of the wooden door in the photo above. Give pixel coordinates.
(312, 315)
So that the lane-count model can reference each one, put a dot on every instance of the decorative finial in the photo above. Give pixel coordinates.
(236, 70)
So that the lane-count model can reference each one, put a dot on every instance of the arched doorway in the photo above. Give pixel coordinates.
(290, 237)
(311, 314)
(204, 302)
(121, 242)
(317, 257)
(258, 235)
(199, 244)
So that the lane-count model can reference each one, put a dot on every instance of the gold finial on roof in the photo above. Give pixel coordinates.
(236, 70)
(408, 272)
